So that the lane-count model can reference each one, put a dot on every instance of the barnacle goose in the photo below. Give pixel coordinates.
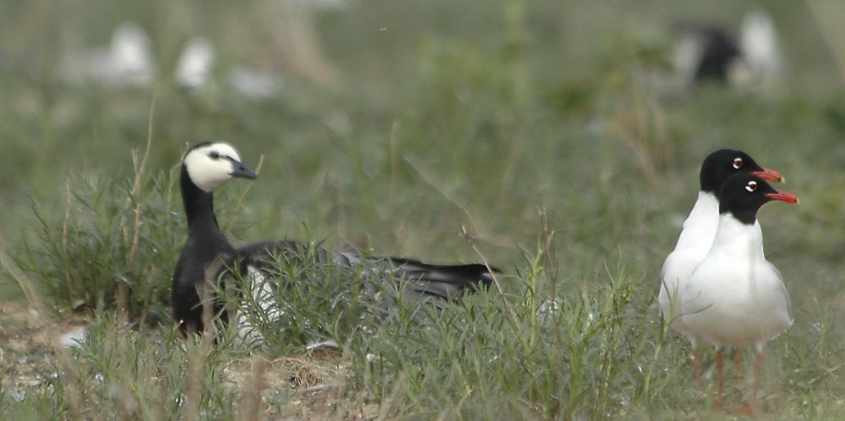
(207, 253)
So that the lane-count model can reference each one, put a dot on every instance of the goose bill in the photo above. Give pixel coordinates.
(242, 171)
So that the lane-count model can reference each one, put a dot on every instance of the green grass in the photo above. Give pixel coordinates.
(521, 132)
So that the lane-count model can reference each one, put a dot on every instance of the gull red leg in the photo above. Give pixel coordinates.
(745, 409)
(758, 373)
(696, 367)
(738, 365)
(720, 380)
(752, 406)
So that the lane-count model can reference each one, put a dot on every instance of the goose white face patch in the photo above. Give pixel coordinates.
(211, 165)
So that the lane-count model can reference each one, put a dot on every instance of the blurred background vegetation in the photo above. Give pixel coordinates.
(399, 122)
(398, 125)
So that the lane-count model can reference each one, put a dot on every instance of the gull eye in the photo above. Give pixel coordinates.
(751, 187)
(737, 163)
(214, 155)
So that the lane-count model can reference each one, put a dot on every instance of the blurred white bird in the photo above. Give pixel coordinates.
(195, 69)
(254, 84)
(759, 45)
(126, 62)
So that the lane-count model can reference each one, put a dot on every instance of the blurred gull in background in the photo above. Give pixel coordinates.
(195, 70)
(194, 67)
(712, 53)
(254, 84)
(759, 45)
(126, 62)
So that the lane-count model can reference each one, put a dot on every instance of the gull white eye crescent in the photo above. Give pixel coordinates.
(737, 163)
(751, 186)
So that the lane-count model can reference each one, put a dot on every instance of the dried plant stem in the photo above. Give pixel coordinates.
(65, 234)
(136, 186)
(297, 42)
(393, 162)
(484, 234)
(193, 389)
(137, 213)
(251, 401)
(642, 127)
(470, 238)
(197, 360)
(384, 410)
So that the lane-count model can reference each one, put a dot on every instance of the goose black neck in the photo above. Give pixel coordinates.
(199, 206)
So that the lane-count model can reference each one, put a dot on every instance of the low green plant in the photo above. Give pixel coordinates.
(108, 241)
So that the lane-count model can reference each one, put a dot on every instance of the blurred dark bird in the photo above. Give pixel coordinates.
(208, 256)
(706, 52)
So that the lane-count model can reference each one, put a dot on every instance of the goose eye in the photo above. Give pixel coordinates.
(214, 155)
(751, 186)
(737, 163)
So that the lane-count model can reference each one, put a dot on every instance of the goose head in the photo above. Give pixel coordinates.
(211, 164)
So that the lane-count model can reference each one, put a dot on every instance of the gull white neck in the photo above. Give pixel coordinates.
(700, 225)
(738, 239)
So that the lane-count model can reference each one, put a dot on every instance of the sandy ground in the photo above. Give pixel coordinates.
(25, 349)
(309, 386)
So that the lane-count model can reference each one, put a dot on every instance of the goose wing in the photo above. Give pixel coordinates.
(423, 279)
(441, 281)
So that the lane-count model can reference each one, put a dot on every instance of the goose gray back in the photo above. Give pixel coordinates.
(421, 283)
